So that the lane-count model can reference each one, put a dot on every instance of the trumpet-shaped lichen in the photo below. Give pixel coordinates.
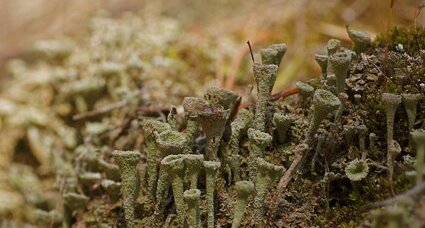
(127, 162)
(174, 166)
(282, 124)
(323, 103)
(244, 190)
(410, 105)
(266, 174)
(419, 139)
(273, 54)
(151, 129)
(258, 141)
(357, 170)
(191, 198)
(360, 39)
(211, 169)
(265, 77)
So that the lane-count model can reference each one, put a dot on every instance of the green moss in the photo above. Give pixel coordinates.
(413, 40)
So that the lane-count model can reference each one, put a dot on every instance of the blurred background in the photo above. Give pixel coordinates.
(304, 25)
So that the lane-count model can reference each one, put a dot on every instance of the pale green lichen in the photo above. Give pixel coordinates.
(220, 96)
(213, 120)
(191, 198)
(258, 141)
(350, 133)
(234, 162)
(410, 105)
(239, 127)
(244, 190)
(419, 139)
(172, 118)
(362, 131)
(211, 169)
(112, 188)
(282, 125)
(305, 90)
(193, 164)
(72, 202)
(170, 142)
(273, 54)
(323, 103)
(267, 173)
(322, 60)
(173, 165)
(360, 39)
(391, 103)
(357, 170)
(265, 77)
(127, 162)
(151, 129)
(340, 63)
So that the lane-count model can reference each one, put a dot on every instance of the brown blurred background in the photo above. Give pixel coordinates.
(304, 25)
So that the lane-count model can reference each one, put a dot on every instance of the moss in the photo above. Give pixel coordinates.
(413, 40)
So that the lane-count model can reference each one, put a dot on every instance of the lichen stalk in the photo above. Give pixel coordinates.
(244, 190)
(323, 103)
(193, 164)
(419, 139)
(322, 60)
(265, 77)
(127, 162)
(410, 105)
(340, 63)
(258, 141)
(191, 198)
(282, 124)
(266, 174)
(391, 103)
(211, 168)
(213, 120)
(235, 163)
(151, 128)
(168, 142)
(174, 166)
(239, 127)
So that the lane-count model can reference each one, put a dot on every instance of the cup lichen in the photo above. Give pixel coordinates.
(267, 173)
(151, 129)
(323, 103)
(244, 190)
(191, 198)
(258, 141)
(419, 139)
(173, 165)
(265, 77)
(127, 162)
(211, 168)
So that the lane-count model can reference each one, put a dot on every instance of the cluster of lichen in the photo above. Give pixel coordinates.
(69, 98)
(211, 162)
